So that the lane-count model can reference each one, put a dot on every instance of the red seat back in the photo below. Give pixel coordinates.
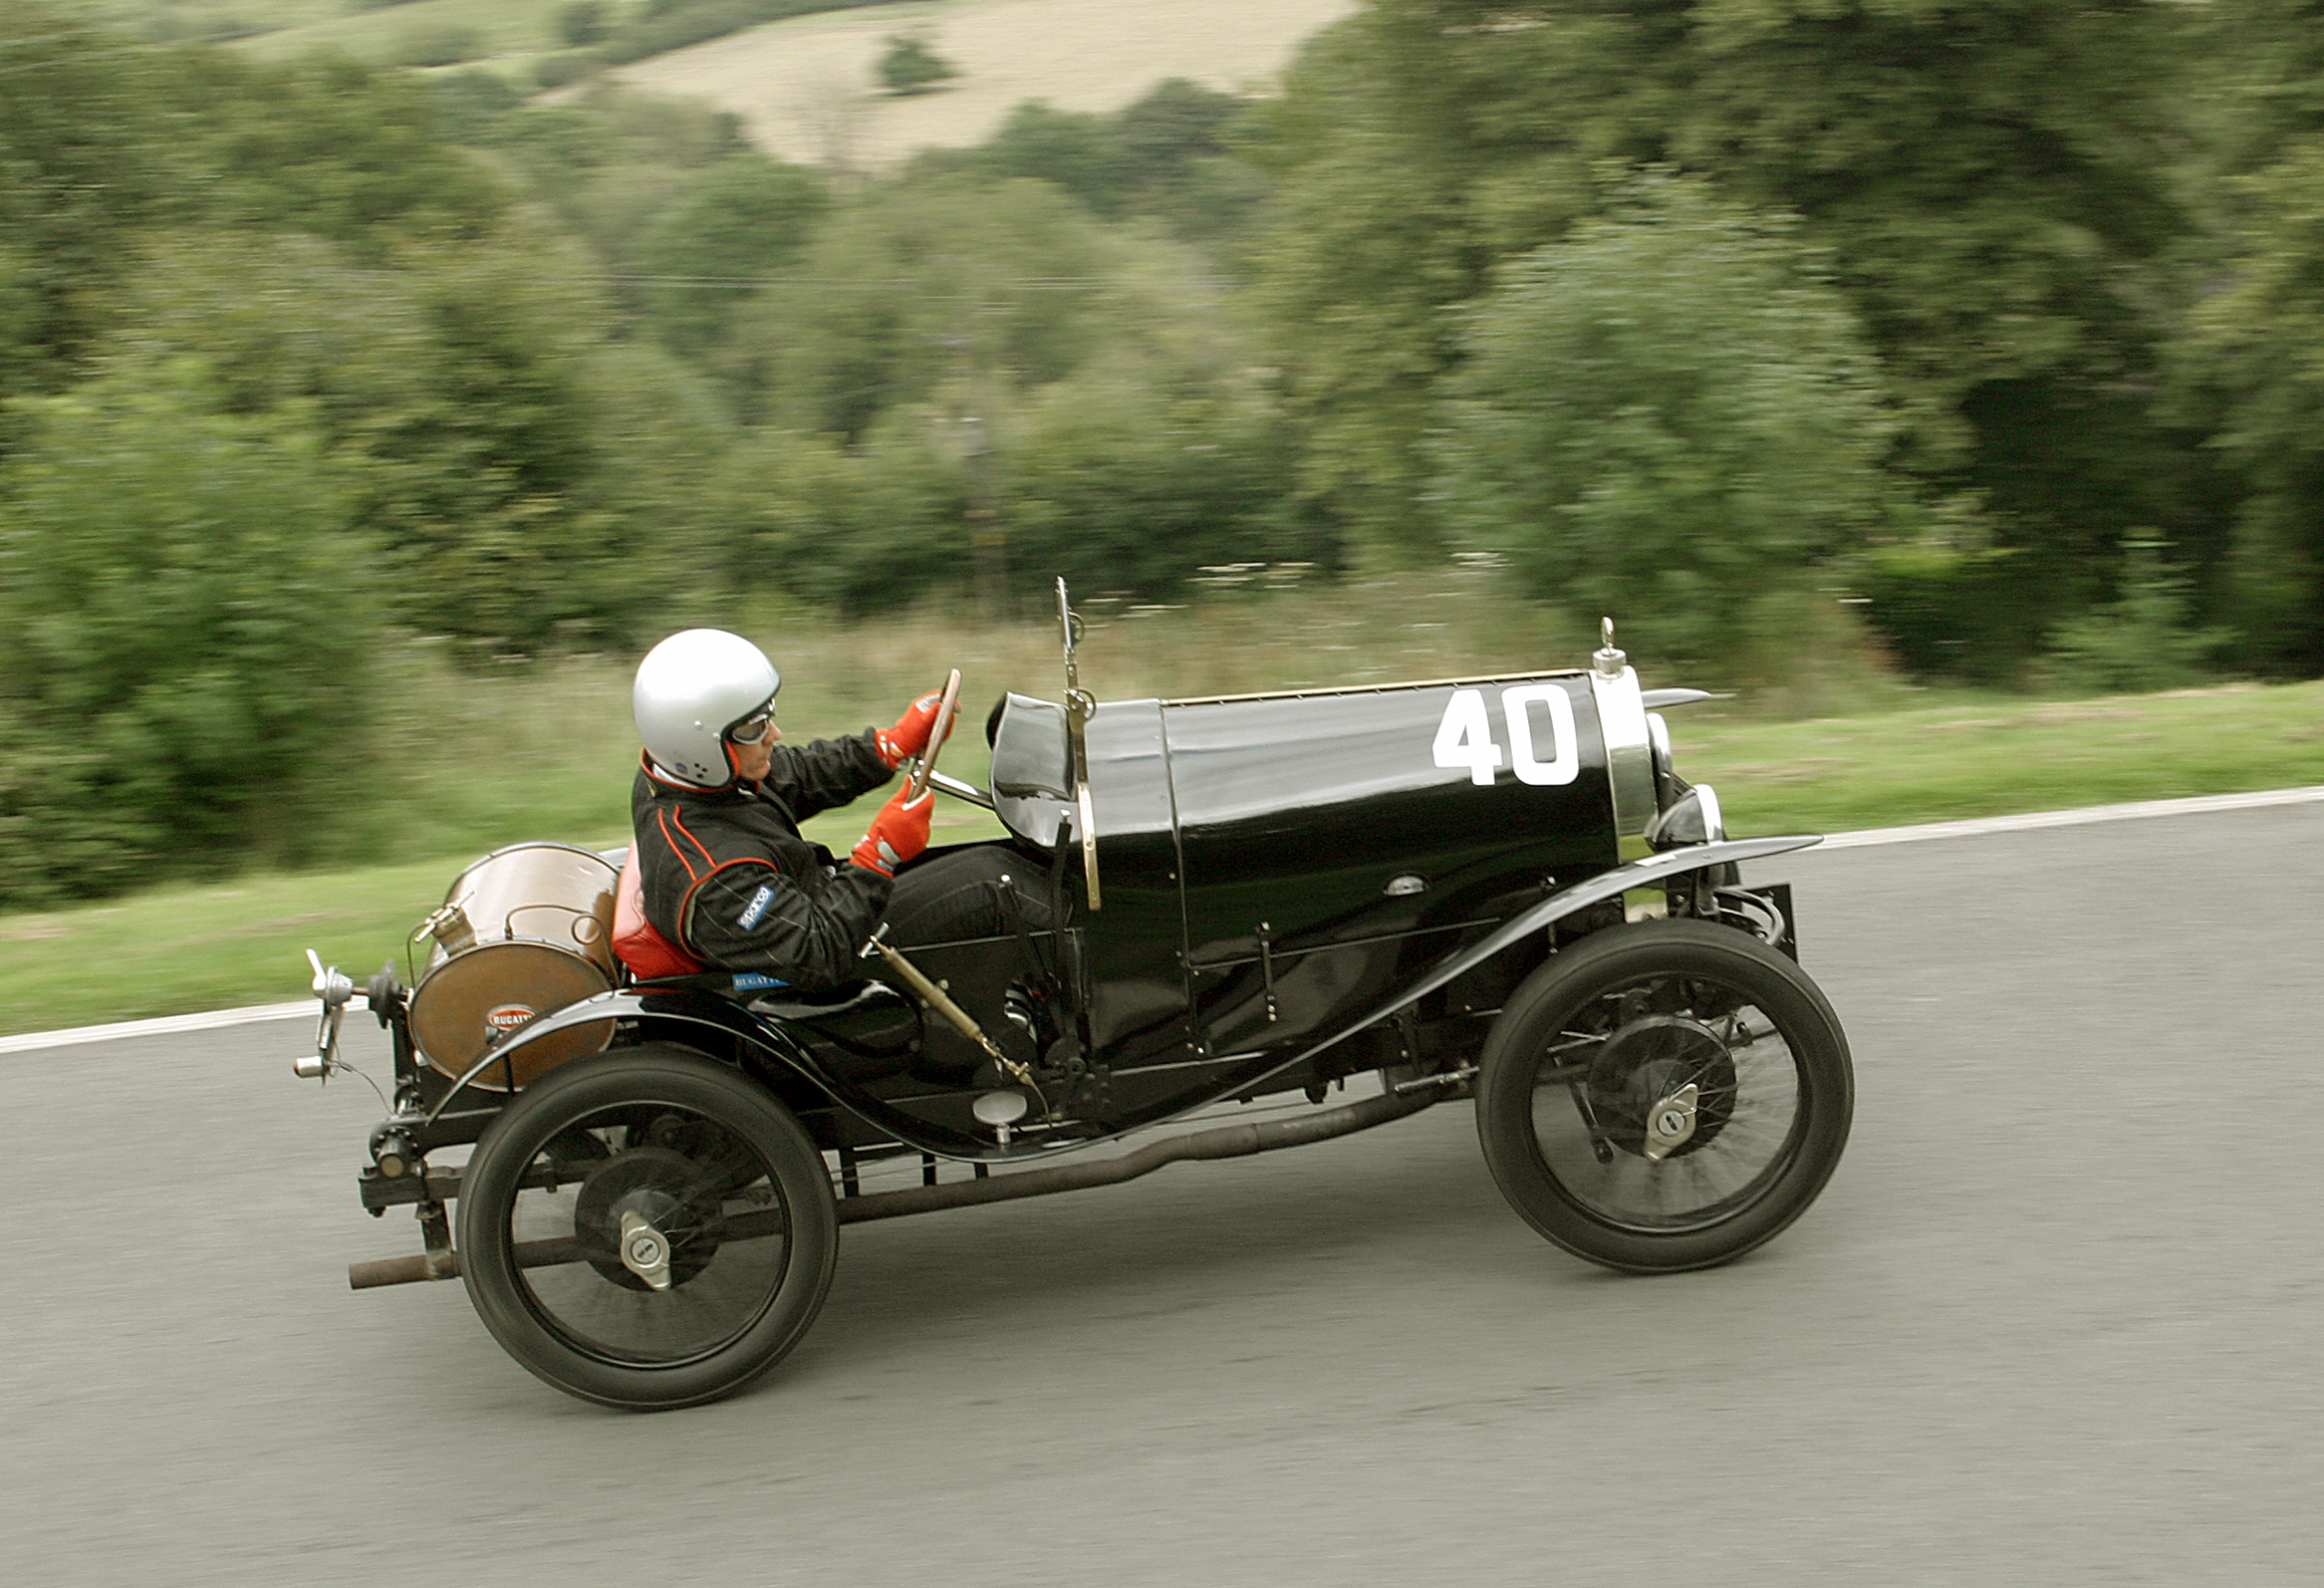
(647, 953)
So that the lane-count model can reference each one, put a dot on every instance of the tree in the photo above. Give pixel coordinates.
(187, 622)
(2259, 345)
(1673, 417)
(1991, 183)
(923, 280)
(911, 65)
(732, 226)
(582, 23)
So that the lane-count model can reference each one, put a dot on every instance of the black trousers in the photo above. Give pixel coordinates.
(956, 895)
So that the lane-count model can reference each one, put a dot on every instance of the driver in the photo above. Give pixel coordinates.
(723, 873)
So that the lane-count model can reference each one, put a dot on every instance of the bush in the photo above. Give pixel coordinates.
(1672, 418)
(555, 71)
(447, 45)
(2140, 642)
(911, 66)
(582, 23)
(732, 224)
(186, 636)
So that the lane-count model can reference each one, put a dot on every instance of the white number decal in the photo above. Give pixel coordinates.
(1565, 762)
(1465, 737)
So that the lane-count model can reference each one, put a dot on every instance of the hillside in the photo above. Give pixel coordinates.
(805, 87)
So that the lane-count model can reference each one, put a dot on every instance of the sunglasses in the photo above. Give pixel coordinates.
(752, 730)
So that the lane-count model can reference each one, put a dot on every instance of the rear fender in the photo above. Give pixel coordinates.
(663, 1007)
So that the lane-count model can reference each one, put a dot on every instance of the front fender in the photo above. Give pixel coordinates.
(1557, 906)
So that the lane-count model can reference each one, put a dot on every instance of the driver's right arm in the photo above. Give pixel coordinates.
(747, 914)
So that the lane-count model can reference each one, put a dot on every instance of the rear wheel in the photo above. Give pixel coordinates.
(647, 1230)
(1663, 1096)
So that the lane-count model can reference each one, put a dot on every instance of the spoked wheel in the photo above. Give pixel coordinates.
(1663, 1096)
(647, 1230)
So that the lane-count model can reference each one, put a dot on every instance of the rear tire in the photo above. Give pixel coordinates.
(714, 1162)
(1606, 1038)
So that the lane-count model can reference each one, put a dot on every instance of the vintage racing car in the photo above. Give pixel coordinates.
(1418, 888)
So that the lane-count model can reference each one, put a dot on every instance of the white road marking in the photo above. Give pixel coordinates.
(2083, 817)
(170, 1025)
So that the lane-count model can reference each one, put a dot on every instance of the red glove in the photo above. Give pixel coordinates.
(899, 833)
(909, 736)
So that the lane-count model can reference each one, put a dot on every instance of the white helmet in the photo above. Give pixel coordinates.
(690, 689)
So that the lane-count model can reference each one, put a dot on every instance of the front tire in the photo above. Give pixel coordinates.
(1663, 1096)
(684, 1152)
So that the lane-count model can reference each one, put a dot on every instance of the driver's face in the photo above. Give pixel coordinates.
(751, 761)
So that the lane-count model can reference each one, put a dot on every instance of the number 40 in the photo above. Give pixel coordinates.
(1465, 737)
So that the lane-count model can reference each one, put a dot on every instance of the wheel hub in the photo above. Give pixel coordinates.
(1670, 1122)
(1660, 1086)
(644, 1250)
(654, 1212)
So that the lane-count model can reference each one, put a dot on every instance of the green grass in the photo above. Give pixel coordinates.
(467, 763)
(1998, 755)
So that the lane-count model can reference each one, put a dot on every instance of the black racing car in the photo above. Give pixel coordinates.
(1401, 894)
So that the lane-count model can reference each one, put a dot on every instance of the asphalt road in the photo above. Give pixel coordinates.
(2054, 1320)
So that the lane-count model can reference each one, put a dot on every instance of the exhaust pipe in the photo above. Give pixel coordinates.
(1232, 1140)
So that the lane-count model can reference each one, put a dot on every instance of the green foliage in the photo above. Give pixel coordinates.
(1674, 418)
(1951, 606)
(2140, 642)
(1168, 155)
(447, 44)
(730, 226)
(469, 106)
(920, 281)
(1991, 183)
(2254, 361)
(1126, 488)
(186, 624)
(584, 22)
(911, 65)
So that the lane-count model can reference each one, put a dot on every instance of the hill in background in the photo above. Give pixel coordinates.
(805, 87)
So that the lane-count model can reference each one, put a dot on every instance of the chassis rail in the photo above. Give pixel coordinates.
(1232, 1140)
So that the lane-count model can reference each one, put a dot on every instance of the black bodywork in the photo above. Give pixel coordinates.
(1295, 887)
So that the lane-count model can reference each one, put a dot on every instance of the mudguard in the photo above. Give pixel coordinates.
(698, 1000)
(1558, 905)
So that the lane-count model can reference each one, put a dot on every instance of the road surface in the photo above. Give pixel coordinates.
(2054, 1320)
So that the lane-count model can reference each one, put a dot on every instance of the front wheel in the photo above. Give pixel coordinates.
(1663, 1096)
(647, 1230)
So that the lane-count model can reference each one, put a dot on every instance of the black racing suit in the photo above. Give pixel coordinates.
(726, 875)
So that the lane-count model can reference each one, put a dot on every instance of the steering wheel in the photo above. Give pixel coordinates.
(947, 710)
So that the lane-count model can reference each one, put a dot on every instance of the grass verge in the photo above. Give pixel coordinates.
(219, 946)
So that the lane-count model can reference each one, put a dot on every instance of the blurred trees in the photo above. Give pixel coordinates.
(1992, 185)
(1673, 415)
(2006, 321)
(911, 65)
(186, 633)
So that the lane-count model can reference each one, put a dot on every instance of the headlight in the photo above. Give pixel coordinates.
(1693, 819)
(1667, 785)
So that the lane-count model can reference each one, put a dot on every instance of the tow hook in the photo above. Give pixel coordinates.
(644, 1250)
(1671, 1122)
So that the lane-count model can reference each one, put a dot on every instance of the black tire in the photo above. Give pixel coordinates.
(716, 1164)
(1622, 1020)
